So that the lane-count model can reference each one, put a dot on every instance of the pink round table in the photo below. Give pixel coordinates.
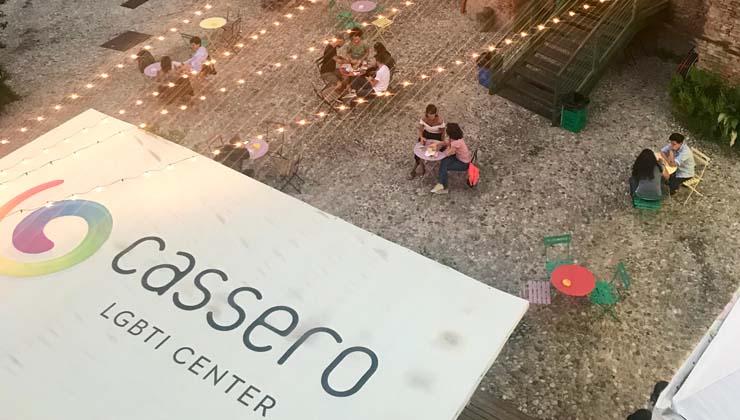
(257, 148)
(363, 6)
(420, 152)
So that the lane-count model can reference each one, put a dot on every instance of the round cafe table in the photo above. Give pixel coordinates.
(573, 280)
(257, 148)
(363, 6)
(421, 150)
(212, 23)
(670, 169)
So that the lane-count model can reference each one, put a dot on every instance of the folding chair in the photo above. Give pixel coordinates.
(231, 32)
(345, 20)
(382, 26)
(692, 183)
(289, 172)
(553, 241)
(329, 96)
(621, 277)
(605, 297)
(537, 292)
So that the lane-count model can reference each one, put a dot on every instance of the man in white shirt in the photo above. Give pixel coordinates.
(195, 63)
(379, 84)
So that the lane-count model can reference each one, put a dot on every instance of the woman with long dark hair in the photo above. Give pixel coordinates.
(645, 181)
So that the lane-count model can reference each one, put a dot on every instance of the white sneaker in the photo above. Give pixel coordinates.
(439, 189)
(350, 95)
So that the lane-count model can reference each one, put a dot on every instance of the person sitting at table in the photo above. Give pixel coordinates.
(458, 157)
(197, 62)
(172, 83)
(159, 70)
(379, 49)
(356, 49)
(431, 127)
(328, 62)
(678, 154)
(647, 173)
(364, 87)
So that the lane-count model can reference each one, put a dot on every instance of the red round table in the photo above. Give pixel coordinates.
(573, 280)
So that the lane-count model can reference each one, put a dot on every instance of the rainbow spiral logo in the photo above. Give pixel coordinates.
(29, 237)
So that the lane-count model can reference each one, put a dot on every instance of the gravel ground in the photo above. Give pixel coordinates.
(561, 363)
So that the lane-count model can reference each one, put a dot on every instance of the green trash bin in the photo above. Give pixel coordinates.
(574, 114)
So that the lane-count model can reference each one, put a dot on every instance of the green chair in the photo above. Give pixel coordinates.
(650, 205)
(550, 243)
(621, 276)
(345, 20)
(605, 296)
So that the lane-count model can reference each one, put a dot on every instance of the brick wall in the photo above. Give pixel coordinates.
(719, 44)
(715, 27)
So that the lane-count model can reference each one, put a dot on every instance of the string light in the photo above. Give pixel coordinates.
(423, 76)
(161, 37)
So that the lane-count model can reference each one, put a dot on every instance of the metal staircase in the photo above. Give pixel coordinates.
(564, 48)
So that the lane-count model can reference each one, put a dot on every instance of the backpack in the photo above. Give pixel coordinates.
(144, 58)
(473, 175)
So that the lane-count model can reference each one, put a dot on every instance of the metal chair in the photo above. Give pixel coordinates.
(621, 277)
(289, 172)
(551, 242)
(693, 183)
(382, 26)
(605, 297)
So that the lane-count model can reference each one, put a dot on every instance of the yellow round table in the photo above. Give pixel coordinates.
(212, 23)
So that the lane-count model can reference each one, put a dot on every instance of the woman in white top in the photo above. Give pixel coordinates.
(431, 127)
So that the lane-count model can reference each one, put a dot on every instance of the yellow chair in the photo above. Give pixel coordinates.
(382, 26)
(701, 159)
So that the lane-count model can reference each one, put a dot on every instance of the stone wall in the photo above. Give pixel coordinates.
(719, 44)
(715, 27)
(504, 10)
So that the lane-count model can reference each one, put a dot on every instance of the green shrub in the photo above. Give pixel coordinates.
(6, 93)
(707, 105)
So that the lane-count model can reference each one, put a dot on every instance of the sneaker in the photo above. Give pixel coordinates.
(350, 95)
(439, 189)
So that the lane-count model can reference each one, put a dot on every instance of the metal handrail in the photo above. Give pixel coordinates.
(506, 58)
(624, 18)
(591, 34)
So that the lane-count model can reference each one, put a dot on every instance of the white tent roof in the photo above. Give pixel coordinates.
(138, 283)
(712, 389)
(708, 384)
